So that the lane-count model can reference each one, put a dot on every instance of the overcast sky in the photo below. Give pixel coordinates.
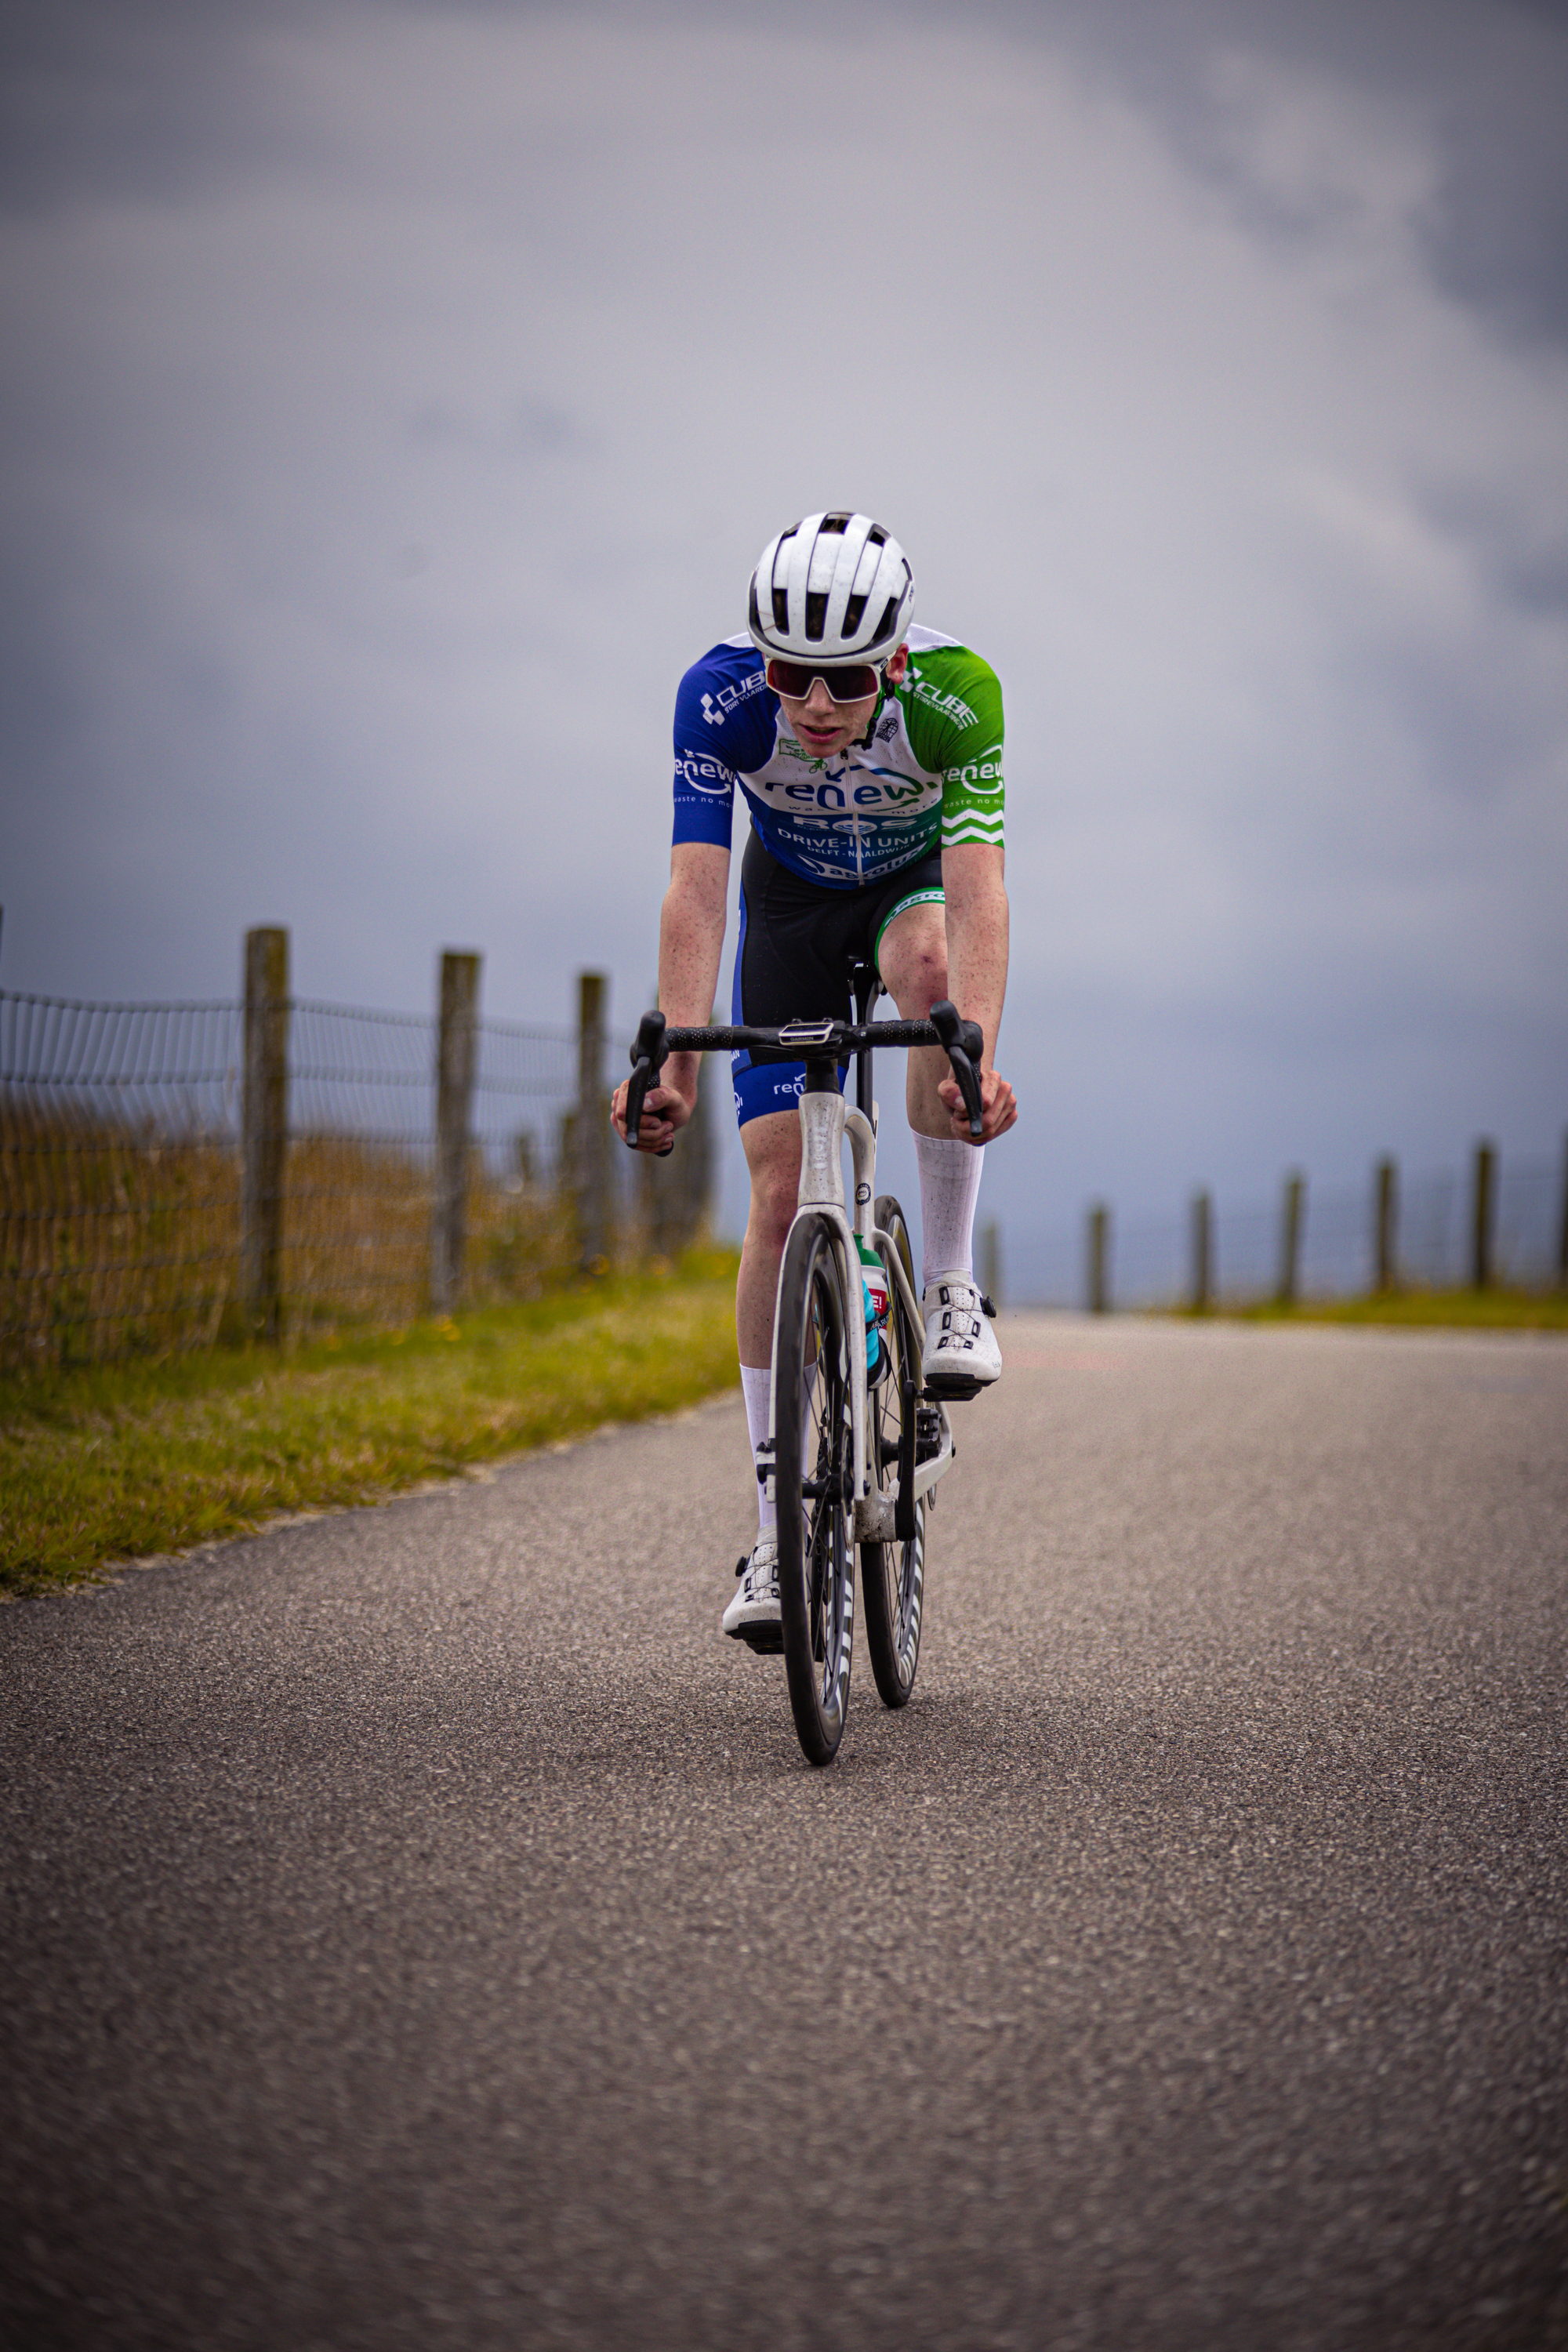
(394, 400)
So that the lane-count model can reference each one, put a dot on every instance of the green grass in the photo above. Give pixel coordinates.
(1467, 1310)
(116, 1462)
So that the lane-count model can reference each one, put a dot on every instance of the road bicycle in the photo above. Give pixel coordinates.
(854, 1449)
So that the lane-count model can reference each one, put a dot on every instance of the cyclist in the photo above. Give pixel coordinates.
(869, 752)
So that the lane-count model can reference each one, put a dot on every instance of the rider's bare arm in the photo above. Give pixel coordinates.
(690, 941)
(976, 892)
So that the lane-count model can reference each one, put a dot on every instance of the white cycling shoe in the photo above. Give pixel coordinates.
(960, 1355)
(754, 1615)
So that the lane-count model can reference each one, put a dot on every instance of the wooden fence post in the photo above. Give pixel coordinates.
(1100, 1259)
(566, 1168)
(673, 1191)
(1290, 1240)
(456, 1054)
(676, 1193)
(991, 1261)
(592, 1130)
(1202, 1252)
(264, 1130)
(1483, 1219)
(698, 1145)
(1386, 1226)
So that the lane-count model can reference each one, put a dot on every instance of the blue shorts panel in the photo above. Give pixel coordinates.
(778, 1086)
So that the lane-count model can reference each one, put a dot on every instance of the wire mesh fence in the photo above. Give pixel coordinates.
(360, 1182)
(1151, 1260)
(119, 1174)
(123, 1198)
(122, 1191)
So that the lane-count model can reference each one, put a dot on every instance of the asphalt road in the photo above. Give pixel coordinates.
(422, 1930)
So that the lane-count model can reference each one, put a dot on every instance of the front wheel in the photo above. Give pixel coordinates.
(814, 1477)
(892, 1575)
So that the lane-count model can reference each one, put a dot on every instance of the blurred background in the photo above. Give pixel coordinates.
(395, 398)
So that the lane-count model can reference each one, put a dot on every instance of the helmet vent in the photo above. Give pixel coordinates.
(886, 625)
(815, 613)
(781, 611)
(832, 522)
(876, 536)
(854, 614)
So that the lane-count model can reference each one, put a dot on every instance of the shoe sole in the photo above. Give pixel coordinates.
(765, 1640)
(955, 1388)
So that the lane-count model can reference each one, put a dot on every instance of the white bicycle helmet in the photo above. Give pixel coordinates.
(833, 588)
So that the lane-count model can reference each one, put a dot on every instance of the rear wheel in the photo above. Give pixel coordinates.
(815, 1478)
(892, 1575)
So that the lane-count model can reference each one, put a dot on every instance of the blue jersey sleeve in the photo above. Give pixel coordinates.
(724, 720)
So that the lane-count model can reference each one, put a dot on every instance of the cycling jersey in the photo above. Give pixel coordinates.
(926, 773)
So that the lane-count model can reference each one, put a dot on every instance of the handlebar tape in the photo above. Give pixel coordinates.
(965, 1047)
(649, 1054)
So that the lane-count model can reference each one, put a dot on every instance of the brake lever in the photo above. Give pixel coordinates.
(649, 1054)
(964, 1045)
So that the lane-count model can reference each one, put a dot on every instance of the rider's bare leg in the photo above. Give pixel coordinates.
(912, 960)
(772, 1146)
(913, 963)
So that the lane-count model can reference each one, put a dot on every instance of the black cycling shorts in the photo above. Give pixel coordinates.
(798, 942)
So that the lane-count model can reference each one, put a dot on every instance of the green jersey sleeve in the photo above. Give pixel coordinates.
(952, 701)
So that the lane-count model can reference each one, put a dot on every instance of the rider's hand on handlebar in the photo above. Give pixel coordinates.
(998, 1107)
(664, 1112)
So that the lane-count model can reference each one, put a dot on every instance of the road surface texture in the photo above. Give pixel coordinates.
(422, 1930)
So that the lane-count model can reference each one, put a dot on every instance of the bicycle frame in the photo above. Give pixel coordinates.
(827, 1121)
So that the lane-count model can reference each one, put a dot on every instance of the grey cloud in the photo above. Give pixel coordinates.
(1474, 743)
(1498, 234)
(155, 100)
(98, 98)
(1489, 77)
(1540, 581)
(1491, 81)
(95, 96)
(539, 425)
(534, 426)
(1522, 555)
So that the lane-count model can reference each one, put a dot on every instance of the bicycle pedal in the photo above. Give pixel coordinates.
(763, 1641)
(955, 1388)
(928, 1432)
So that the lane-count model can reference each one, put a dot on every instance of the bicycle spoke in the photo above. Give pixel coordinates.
(893, 1572)
(816, 1587)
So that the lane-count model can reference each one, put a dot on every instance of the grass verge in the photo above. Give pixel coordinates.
(1468, 1310)
(123, 1461)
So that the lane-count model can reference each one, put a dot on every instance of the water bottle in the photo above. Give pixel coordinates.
(874, 1282)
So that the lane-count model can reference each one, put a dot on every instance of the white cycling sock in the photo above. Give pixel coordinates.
(756, 1381)
(950, 1189)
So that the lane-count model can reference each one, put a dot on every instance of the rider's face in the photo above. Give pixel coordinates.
(825, 727)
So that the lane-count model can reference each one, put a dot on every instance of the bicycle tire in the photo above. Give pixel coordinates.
(812, 1448)
(893, 1576)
